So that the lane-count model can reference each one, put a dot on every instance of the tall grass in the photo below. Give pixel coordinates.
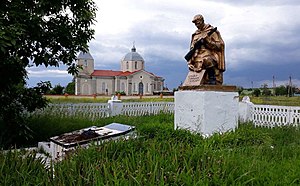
(163, 156)
(277, 100)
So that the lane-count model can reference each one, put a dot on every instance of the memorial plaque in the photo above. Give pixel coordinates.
(194, 78)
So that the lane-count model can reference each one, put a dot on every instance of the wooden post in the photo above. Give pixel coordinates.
(66, 95)
(161, 95)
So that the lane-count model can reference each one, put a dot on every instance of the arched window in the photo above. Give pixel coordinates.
(85, 63)
(127, 65)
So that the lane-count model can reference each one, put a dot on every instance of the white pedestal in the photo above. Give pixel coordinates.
(115, 107)
(206, 112)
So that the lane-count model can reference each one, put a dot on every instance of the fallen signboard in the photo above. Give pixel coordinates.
(59, 145)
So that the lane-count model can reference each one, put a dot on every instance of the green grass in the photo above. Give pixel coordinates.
(63, 99)
(277, 100)
(164, 156)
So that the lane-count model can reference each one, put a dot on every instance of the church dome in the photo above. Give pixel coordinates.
(84, 55)
(133, 56)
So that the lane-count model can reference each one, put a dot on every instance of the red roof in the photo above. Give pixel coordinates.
(115, 73)
(110, 73)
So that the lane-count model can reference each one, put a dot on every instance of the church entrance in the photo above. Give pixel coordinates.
(141, 88)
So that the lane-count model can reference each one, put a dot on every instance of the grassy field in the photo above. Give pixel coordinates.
(163, 156)
(277, 100)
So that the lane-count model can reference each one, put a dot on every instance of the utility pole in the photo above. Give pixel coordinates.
(290, 90)
(274, 86)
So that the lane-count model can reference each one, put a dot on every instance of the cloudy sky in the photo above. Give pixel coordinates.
(261, 37)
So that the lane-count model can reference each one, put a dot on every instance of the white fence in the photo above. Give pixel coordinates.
(260, 115)
(88, 110)
(101, 110)
(146, 108)
(271, 116)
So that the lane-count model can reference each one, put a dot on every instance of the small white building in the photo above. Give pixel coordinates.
(132, 79)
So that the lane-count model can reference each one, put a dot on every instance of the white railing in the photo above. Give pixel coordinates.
(271, 115)
(146, 108)
(268, 115)
(101, 110)
(260, 115)
(87, 110)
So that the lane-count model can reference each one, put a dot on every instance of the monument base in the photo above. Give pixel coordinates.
(206, 111)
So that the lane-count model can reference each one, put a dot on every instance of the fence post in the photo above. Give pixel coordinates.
(114, 106)
(290, 116)
(245, 108)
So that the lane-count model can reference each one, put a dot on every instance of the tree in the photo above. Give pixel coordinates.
(46, 85)
(57, 90)
(240, 89)
(281, 90)
(70, 88)
(256, 92)
(37, 32)
(265, 90)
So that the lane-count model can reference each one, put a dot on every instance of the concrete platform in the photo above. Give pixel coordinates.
(206, 112)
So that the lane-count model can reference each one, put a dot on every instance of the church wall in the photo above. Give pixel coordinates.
(158, 84)
(105, 85)
(123, 85)
(145, 78)
(84, 86)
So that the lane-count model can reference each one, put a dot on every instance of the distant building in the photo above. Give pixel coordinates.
(132, 79)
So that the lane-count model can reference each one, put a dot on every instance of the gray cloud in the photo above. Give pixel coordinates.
(260, 3)
(261, 37)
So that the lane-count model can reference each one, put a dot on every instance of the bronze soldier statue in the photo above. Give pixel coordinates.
(207, 52)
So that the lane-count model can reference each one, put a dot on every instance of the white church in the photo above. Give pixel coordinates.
(132, 79)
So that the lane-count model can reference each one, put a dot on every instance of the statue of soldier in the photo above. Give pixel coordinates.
(207, 52)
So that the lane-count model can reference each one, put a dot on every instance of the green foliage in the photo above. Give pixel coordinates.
(121, 93)
(240, 89)
(164, 156)
(70, 88)
(45, 86)
(256, 92)
(57, 90)
(37, 32)
(280, 91)
(265, 90)
(285, 90)
(13, 121)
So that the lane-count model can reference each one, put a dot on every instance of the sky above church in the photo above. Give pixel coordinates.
(261, 38)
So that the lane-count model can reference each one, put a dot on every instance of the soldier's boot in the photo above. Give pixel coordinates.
(211, 76)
